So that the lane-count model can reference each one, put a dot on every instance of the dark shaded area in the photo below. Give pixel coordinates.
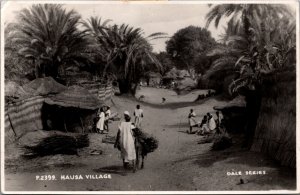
(114, 169)
(67, 119)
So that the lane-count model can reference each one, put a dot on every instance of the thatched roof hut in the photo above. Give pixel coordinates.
(76, 97)
(238, 102)
(71, 110)
(234, 113)
(44, 86)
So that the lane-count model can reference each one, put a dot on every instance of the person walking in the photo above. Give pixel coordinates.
(192, 120)
(125, 142)
(100, 123)
(138, 113)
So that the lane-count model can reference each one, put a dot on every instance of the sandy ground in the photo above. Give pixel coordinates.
(178, 164)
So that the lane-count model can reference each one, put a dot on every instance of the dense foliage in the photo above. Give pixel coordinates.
(188, 47)
(126, 53)
(48, 36)
(259, 39)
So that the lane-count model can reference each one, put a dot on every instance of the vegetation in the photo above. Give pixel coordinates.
(124, 50)
(260, 43)
(188, 47)
(48, 36)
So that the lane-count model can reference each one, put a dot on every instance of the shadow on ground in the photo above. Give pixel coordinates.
(114, 169)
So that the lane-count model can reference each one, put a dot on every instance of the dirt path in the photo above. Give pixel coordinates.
(178, 164)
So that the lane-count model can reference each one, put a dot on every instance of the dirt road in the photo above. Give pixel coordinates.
(178, 164)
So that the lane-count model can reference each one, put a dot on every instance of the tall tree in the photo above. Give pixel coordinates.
(251, 42)
(188, 48)
(48, 35)
(255, 50)
(125, 51)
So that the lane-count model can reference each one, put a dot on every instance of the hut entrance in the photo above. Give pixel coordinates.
(67, 119)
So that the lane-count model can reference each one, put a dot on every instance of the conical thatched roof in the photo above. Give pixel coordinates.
(172, 73)
(154, 75)
(44, 86)
(238, 102)
(13, 89)
(75, 96)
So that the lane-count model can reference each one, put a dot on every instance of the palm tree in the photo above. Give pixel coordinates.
(262, 43)
(48, 35)
(250, 41)
(243, 13)
(124, 49)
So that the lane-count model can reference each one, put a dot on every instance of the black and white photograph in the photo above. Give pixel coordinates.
(149, 97)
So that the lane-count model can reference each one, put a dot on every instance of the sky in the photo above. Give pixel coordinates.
(167, 17)
(153, 17)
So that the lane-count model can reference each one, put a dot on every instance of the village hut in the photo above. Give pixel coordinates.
(234, 113)
(44, 86)
(183, 74)
(155, 79)
(275, 133)
(25, 114)
(72, 110)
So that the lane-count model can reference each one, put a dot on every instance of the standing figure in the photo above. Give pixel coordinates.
(138, 113)
(100, 124)
(192, 120)
(107, 117)
(125, 142)
(219, 118)
(211, 122)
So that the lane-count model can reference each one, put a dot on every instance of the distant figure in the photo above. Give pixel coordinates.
(163, 100)
(107, 117)
(138, 113)
(100, 124)
(141, 98)
(192, 120)
(125, 142)
(209, 93)
(211, 122)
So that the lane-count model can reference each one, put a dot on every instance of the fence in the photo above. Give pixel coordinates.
(23, 116)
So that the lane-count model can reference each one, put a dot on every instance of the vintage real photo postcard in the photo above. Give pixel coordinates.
(149, 97)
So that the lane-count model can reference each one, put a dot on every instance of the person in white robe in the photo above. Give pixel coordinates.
(125, 141)
(107, 117)
(211, 122)
(100, 123)
(192, 120)
(138, 113)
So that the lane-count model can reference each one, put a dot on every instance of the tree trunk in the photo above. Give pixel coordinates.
(133, 90)
(253, 104)
(124, 86)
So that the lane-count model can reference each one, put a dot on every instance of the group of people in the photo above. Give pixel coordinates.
(208, 124)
